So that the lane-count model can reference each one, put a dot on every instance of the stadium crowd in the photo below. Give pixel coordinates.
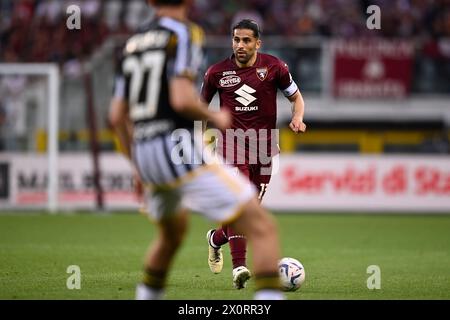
(329, 18)
(35, 30)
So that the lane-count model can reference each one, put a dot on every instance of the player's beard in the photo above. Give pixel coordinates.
(244, 57)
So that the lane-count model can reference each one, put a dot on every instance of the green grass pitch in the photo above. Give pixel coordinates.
(412, 251)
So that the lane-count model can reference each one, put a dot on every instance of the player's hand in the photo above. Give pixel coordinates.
(221, 119)
(297, 125)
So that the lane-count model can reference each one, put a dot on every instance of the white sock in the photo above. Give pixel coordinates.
(268, 294)
(146, 293)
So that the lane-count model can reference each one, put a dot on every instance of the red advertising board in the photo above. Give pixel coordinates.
(372, 68)
(361, 183)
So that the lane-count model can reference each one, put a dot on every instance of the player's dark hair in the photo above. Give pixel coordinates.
(247, 24)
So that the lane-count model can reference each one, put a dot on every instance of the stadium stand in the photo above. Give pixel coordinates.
(298, 31)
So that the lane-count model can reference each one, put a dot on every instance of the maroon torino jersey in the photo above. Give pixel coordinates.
(250, 93)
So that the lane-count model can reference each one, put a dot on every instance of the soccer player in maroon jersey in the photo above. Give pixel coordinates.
(247, 83)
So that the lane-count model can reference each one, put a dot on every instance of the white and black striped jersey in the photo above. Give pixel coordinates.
(166, 48)
(168, 157)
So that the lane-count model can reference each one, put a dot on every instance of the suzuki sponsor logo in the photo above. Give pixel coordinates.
(252, 108)
(244, 94)
(229, 81)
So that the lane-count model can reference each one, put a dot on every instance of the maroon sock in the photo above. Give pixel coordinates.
(220, 237)
(238, 248)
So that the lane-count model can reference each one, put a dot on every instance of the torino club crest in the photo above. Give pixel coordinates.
(261, 73)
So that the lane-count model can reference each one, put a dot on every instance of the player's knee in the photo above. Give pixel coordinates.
(259, 222)
(180, 236)
(171, 241)
(267, 225)
(173, 234)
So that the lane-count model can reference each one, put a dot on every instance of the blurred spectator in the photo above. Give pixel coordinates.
(247, 11)
(91, 9)
(50, 11)
(136, 12)
(111, 14)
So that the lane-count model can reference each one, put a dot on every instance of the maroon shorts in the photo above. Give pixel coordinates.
(250, 163)
(258, 174)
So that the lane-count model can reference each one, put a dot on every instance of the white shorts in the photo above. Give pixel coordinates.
(215, 191)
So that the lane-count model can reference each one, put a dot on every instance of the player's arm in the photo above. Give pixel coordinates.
(207, 92)
(118, 115)
(119, 120)
(291, 91)
(298, 110)
(186, 101)
(123, 127)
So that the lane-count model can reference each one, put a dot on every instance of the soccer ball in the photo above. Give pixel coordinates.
(292, 274)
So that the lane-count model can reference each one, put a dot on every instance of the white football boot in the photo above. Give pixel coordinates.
(215, 256)
(240, 277)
